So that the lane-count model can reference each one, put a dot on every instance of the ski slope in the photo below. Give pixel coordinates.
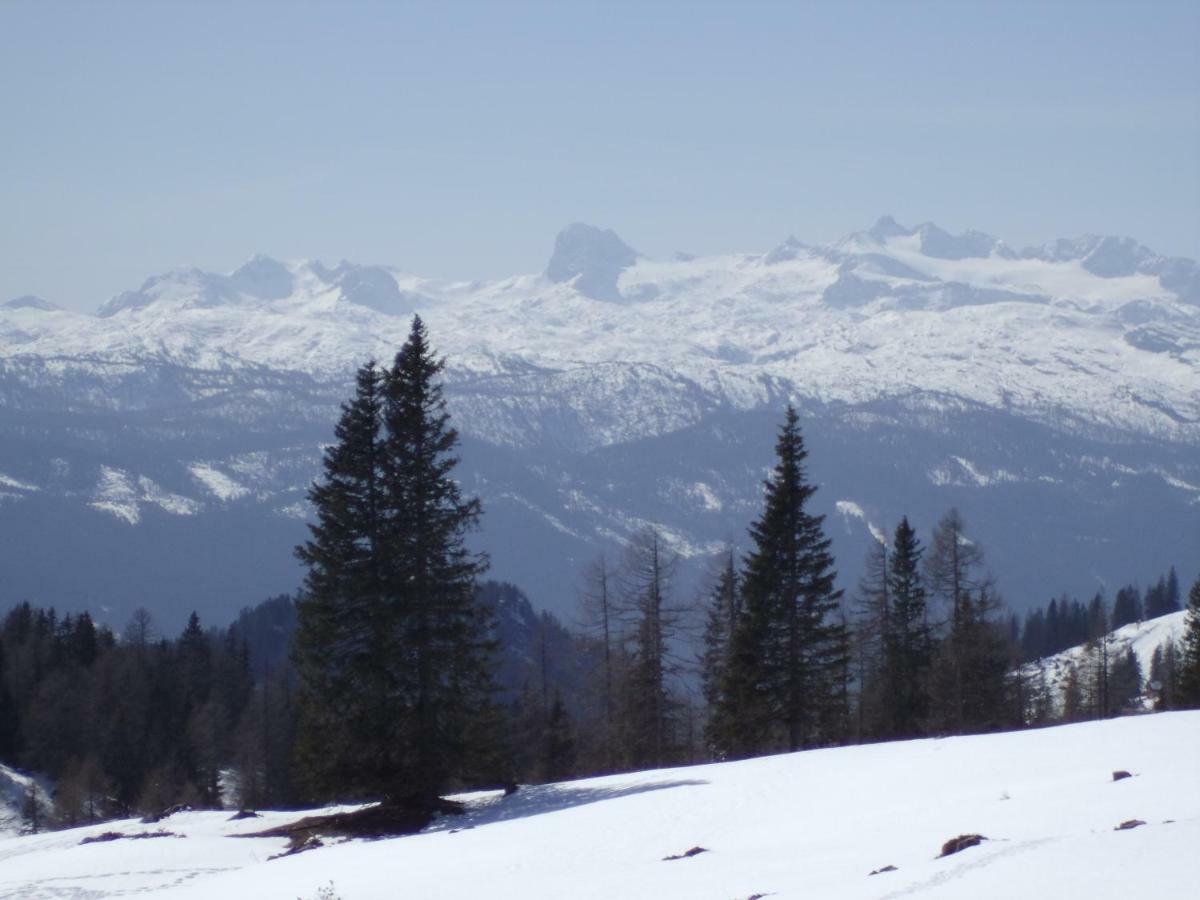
(806, 825)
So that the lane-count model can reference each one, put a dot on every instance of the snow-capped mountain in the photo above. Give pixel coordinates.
(1057, 386)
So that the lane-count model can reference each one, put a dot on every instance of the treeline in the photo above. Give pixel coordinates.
(1067, 622)
(143, 722)
(137, 722)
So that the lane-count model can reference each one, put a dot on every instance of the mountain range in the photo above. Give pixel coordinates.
(158, 452)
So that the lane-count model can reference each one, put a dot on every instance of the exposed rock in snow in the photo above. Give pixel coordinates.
(592, 258)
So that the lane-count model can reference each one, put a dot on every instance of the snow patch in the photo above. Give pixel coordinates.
(7, 481)
(217, 482)
(120, 494)
(707, 498)
(851, 510)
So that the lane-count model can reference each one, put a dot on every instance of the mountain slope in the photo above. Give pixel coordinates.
(1060, 382)
(15, 789)
(811, 824)
(1143, 638)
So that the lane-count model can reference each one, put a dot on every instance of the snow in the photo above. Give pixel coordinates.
(7, 481)
(1038, 335)
(123, 495)
(14, 791)
(851, 510)
(217, 482)
(801, 825)
(1142, 637)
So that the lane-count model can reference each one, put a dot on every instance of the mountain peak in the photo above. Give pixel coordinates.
(788, 250)
(29, 301)
(591, 256)
(941, 244)
(885, 227)
(263, 277)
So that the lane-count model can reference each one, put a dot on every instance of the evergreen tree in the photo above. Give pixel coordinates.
(1163, 598)
(1127, 607)
(907, 640)
(436, 621)
(558, 743)
(1164, 675)
(789, 649)
(1033, 636)
(1173, 591)
(340, 655)
(1189, 662)
(392, 648)
(9, 722)
(1124, 682)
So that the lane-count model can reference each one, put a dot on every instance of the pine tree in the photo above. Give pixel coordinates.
(1188, 692)
(907, 640)
(339, 642)
(392, 648)
(1127, 607)
(1124, 682)
(558, 743)
(1172, 600)
(9, 712)
(789, 648)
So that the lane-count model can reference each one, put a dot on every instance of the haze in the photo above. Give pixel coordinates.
(455, 140)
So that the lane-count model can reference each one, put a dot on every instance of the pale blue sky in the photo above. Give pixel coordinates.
(455, 139)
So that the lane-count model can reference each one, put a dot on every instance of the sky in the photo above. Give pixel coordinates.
(455, 139)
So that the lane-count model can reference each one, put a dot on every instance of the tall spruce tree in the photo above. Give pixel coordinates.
(789, 650)
(907, 640)
(1189, 663)
(392, 647)
(339, 642)
(1127, 607)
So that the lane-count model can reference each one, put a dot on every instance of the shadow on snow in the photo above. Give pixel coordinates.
(537, 799)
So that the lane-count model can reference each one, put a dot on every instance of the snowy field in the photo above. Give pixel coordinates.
(811, 825)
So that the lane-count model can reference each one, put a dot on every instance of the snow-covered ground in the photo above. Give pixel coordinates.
(811, 825)
(14, 797)
(1142, 637)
